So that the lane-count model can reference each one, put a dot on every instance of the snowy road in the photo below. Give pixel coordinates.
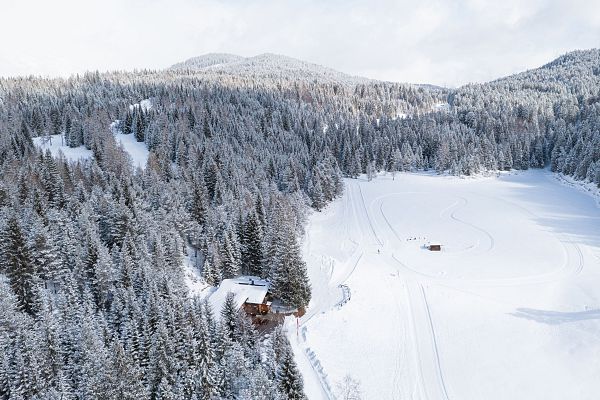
(509, 309)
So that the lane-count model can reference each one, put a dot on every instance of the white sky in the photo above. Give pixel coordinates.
(444, 42)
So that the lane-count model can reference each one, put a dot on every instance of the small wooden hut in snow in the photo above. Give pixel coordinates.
(250, 293)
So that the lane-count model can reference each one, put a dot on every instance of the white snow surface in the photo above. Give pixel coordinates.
(509, 309)
(138, 151)
(441, 107)
(145, 105)
(56, 146)
(245, 288)
(197, 286)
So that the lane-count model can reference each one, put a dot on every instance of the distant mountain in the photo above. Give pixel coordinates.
(207, 61)
(555, 89)
(266, 65)
(586, 61)
(576, 73)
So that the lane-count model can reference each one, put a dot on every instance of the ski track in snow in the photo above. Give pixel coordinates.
(370, 241)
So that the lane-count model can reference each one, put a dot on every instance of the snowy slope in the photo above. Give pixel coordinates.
(55, 144)
(508, 310)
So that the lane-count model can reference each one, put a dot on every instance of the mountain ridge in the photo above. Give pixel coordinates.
(264, 65)
(272, 65)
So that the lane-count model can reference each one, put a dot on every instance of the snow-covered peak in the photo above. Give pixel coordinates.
(206, 61)
(266, 65)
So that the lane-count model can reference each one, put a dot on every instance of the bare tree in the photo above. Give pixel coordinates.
(348, 388)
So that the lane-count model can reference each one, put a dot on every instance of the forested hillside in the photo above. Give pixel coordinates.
(94, 301)
(94, 304)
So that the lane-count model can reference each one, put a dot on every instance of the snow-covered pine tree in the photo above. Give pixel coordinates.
(288, 377)
(252, 253)
(230, 254)
(16, 262)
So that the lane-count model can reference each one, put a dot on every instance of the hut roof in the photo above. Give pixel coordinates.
(246, 289)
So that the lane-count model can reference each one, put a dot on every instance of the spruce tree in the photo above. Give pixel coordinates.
(17, 263)
(252, 254)
(289, 277)
(288, 377)
(230, 255)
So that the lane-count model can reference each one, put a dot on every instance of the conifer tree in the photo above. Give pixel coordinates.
(289, 378)
(230, 255)
(289, 277)
(16, 262)
(252, 254)
(229, 317)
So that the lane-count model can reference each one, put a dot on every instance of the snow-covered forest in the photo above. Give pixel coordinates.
(94, 304)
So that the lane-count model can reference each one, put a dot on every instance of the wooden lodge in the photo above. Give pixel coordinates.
(258, 305)
(252, 295)
(434, 247)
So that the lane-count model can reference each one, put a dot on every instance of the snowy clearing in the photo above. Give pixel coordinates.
(138, 151)
(509, 309)
(145, 105)
(55, 144)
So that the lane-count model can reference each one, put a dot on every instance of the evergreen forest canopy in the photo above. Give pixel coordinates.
(94, 304)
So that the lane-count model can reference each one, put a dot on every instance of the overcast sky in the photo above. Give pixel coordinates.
(422, 41)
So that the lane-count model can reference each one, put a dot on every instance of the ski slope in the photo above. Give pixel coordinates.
(509, 309)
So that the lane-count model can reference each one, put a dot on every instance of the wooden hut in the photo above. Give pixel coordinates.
(434, 247)
(252, 295)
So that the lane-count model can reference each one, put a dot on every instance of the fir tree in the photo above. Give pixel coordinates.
(252, 254)
(16, 261)
(288, 377)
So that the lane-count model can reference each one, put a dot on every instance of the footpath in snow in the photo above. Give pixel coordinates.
(509, 309)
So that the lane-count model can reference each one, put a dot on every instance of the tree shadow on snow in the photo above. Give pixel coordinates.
(555, 317)
(559, 209)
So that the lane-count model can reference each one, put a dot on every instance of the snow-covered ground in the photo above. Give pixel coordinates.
(145, 105)
(138, 151)
(510, 309)
(56, 145)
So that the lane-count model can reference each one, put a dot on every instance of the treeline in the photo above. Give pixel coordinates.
(544, 117)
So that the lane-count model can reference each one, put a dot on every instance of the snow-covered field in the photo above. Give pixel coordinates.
(510, 309)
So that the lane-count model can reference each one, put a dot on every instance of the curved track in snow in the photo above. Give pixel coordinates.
(368, 239)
